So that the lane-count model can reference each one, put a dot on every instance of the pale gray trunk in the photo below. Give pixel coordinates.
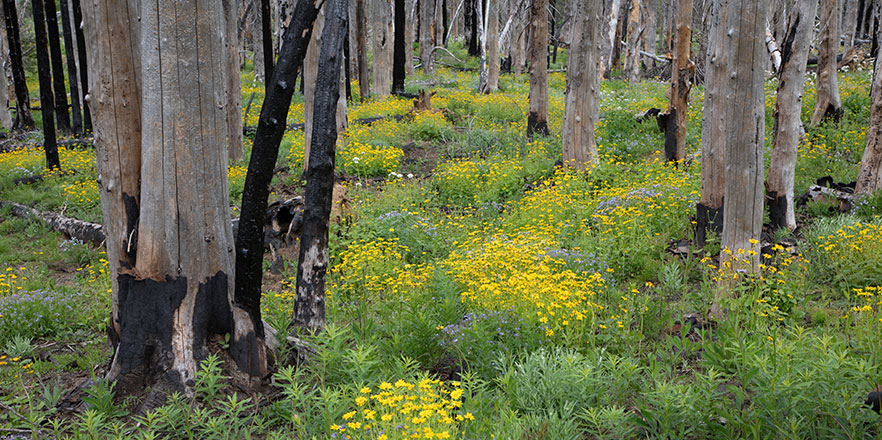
(632, 56)
(410, 37)
(382, 43)
(583, 87)
(310, 72)
(870, 175)
(233, 84)
(482, 44)
(364, 82)
(493, 45)
(788, 107)
(257, 42)
(518, 39)
(828, 104)
(427, 32)
(649, 37)
(745, 114)
(537, 118)
(849, 23)
(5, 115)
(610, 24)
(681, 76)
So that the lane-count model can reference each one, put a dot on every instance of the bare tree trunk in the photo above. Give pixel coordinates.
(23, 119)
(632, 58)
(399, 47)
(788, 107)
(537, 119)
(482, 41)
(309, 300)
(828, 104)
(62, 115)
(5, 115)
(364, 82)
(610, 27)
(232, 82)
(257, 42)
(849, 23)
(46, 99)
(382, 39)
(621, 34)
(649, 29)
(745, 131)
(681, 83)
(518, 40)
(410, 37)
(427, 31)
(709, 211)
(493, 46)
(310, 73)
(266, 39)
(69, 49)
(83, 67)
(869, 178)
(582, 95)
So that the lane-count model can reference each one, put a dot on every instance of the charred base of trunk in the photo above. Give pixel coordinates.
(667, 122)
(832, 113)
(536, 125)
(708, 219)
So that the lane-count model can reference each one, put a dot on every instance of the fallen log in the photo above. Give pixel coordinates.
(85, 231)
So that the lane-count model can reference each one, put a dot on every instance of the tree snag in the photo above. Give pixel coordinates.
(76, 115)
(583, 87)
(309, 300)
(23, 119)
(537, 119)
(681, 83)
(232, 82)
(62, 116)
(828, 104)
(399, 47)
(46, 98)
(870, 175)
(788, 107)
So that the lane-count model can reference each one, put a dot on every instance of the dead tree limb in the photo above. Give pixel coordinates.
(85, 231)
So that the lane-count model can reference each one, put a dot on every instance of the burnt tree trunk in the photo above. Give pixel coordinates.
(788, 107)
(399, 48)
(309, 300)
(582, 95)
(364, 82)
(471, 19)
(681, 82)
(46, 99)
(870, 175)
(81, 57)
(537, 118)
(266, 29)
(62, 115)
(709, 211)
(828, 104)
(23, 119)
(76, 115)
(632, 56)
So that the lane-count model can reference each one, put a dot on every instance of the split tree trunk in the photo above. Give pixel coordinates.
(681, 82)
(83, 70)
(23, 119)
(537, 119)
(745, 131)
(582, 95)
(709, 211)
(788, 107)
(62, 115)
(382, 43)
(309, 299)
(232, 82)
(427, 31)
(870, 175)
(399, 48)
(270, 129)
(76, 115)
(46, 99)
(828, 104)
(364, 81)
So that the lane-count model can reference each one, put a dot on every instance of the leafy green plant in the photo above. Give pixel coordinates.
(209, 378)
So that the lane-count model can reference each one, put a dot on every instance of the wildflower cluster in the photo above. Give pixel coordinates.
(423, 409)
(375, 269)
(38, 313)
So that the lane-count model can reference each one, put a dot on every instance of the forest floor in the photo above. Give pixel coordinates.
(477, 291)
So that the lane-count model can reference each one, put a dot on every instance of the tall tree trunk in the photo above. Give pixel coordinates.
(482, 41)
(649, 31)
(76, 115)
(270, 129)
(492, 46)
(632, 56)
(410, 34)
(849, 23)
(709, 211)
(310, 74)
(5, 115)
(582, 95)
(382, 39)
(788, 107)
(681, 82)
(870, 175)
(621, 34)
(83, 67)
(828, 104)
(267, 39)
(610, 30)
(745, 131)
(399, 49)
(309, 299)
(23, 119)
(427, 31)
(537, 119)
(364, 81)
(233, 107)
(46, 99)
(517, 48)
(471, 18)
(62, 115)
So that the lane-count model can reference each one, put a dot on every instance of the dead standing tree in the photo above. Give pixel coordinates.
(870, 174)
(788, 107)
(828, 104)
(309, 299)
(62, 115)
(23, 119)
(583, 87)
(46, 98)
(681, 83)
(537, 118)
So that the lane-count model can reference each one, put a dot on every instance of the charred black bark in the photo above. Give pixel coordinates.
(309, 299)
(23, 119)
(708, 219)
(270, 128)
(667, 122)
(444, 17)
(267, 29)
(62, 116)
(536, 126)
(348, 81)
(46, 98)
(76, 115)
(399, 56)
(471, 27)
(81, 55)
(777, 210)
